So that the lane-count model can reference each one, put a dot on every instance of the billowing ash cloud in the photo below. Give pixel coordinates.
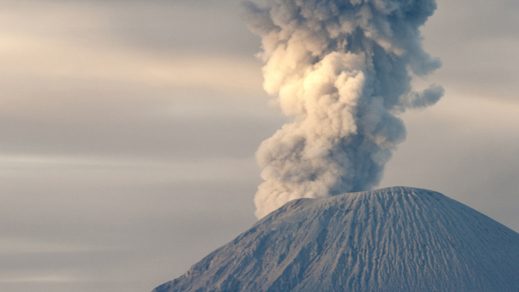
(341, 70)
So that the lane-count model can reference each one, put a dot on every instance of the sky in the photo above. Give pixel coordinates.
(128, 132)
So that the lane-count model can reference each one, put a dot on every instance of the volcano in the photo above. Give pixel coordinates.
(392, 239)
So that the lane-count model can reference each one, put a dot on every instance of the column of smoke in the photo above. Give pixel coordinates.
(341, 70)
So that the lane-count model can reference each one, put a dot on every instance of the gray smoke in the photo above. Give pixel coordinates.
(341, 70)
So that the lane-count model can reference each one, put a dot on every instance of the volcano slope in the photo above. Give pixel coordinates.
(393, 239)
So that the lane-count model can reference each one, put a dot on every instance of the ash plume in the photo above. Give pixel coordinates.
(341, 70)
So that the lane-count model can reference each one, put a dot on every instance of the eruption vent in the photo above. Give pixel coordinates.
(341, 70)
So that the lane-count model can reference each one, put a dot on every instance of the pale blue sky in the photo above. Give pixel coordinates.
(129, 130)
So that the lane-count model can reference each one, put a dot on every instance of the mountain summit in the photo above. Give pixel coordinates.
(393, 239)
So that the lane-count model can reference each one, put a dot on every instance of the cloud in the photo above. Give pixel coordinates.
(62, 41)
(58, 59)
(73, 86)
(341, 71)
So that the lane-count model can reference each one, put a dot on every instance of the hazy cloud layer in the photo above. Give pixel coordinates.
(129, 124)
(73, 85)
(476, 42)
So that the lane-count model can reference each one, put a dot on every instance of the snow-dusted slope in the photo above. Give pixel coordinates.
(393, 239)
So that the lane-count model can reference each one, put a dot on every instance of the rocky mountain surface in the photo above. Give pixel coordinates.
(393, 239)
